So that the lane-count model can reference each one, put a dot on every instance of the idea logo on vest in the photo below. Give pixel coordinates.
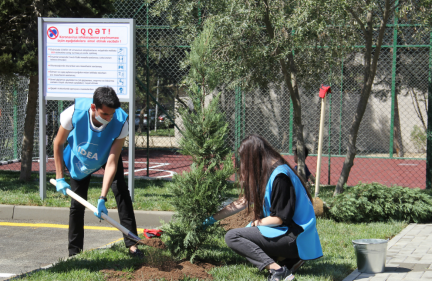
(87, 154)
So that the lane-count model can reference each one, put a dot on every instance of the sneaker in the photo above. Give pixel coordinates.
(136, 254)
(281, 274)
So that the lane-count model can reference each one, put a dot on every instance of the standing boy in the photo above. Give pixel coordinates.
(95, 130)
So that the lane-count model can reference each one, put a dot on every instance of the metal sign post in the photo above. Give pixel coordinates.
(76, 56)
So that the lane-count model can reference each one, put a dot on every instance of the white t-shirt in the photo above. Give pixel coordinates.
(66, 122)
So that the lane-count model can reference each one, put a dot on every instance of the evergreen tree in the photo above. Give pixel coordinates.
(201, 192)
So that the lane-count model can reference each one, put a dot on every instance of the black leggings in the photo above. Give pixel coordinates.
(124, 205)
(259, 250)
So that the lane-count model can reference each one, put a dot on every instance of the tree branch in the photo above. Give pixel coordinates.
(380, 36)
(357, 19)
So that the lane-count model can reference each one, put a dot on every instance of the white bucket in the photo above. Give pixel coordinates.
(371, 254)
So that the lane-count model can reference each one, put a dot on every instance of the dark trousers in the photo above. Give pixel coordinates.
(124, 205)
(259, 250)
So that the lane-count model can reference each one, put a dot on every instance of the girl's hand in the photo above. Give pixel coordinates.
(255, 223)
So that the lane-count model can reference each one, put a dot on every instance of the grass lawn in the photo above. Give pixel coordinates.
(338, 260)
(152, 195)
(337, 263)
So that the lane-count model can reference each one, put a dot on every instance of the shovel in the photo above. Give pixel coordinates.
(120, 227)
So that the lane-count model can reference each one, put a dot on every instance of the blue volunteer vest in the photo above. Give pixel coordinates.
(88, 150)
(308, 243)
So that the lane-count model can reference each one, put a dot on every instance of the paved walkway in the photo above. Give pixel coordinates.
(409, 257)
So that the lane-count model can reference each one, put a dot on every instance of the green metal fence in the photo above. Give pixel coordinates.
(13, 100)
(392, 140)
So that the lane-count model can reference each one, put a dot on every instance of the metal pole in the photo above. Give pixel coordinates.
(340, 110)
(237, 128)
(60, 107)
(393, 86)
(42, 118)
(157, 100)
(243, 117)
(15, 123)
(329, 140)
(131, 151)
(148, 86)
(429, 126)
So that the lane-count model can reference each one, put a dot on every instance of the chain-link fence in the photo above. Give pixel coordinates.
(391, 143)
(13, 102)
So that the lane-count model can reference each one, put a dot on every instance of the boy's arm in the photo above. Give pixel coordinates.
(59, 141)
(111, 165)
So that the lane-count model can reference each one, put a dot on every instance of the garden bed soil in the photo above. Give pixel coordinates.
(238, 220)
(153, 242)
(167, 269)
(170, 269)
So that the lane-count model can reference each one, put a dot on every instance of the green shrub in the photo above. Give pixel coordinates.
(375, 202)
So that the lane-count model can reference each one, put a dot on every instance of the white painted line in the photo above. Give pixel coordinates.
(403, 164)
(171, 173)
(6, 275)
(152, 168)
(149, 163)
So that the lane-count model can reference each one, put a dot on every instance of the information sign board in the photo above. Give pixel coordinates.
(80, 57)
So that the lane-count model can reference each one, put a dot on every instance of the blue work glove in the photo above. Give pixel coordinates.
(209, 221)
(62, 185)
(101, 209)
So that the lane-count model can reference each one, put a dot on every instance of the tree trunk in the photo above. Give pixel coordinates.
(370, 63)
(397, 137)
(297, 120)
(29, 127)
(289, 73)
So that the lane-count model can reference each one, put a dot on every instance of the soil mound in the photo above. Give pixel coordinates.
(238, 220)
(169, 270)
(161, 267)
(153, 242)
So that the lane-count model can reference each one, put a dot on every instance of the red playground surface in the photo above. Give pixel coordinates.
(165, 164)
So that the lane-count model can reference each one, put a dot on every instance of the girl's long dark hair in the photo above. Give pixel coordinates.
(256, 160)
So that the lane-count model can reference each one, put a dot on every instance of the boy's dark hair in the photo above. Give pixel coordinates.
(106, 96)
(306, 151)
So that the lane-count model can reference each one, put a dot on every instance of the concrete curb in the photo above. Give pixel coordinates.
(6, 212)
(61, 215)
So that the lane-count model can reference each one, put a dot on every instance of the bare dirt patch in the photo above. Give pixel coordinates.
(154, 242)
(238, 220)
(158, 266)
(168, 269)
